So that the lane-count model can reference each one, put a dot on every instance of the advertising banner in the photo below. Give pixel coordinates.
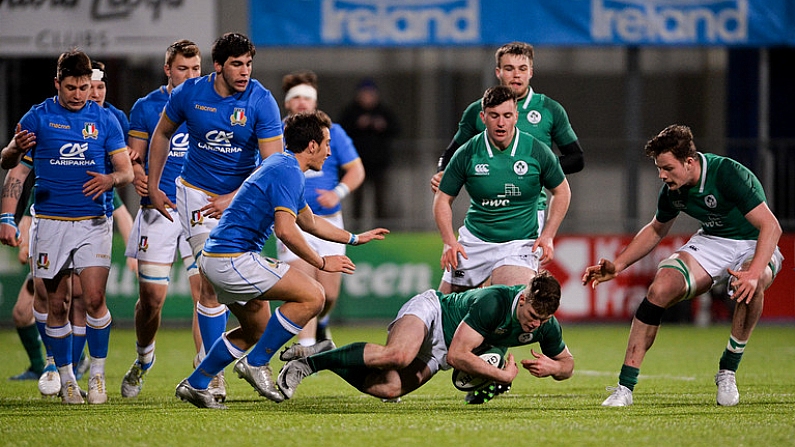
(102, 27)
(391, 271)
(541, 22)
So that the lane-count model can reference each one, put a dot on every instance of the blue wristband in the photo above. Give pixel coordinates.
(8, 219)
(354, 240)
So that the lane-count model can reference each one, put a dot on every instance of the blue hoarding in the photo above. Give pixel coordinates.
(541, 22)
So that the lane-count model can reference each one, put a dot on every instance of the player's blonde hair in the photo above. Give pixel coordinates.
(515, 48)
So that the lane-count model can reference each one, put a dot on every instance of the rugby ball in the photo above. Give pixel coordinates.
(467, 382)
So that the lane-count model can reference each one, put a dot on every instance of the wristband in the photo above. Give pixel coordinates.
(8, 219)
(341, 190)
(354, 240)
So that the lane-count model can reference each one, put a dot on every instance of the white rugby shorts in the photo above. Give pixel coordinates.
(56, 245)
(321, 246)
(190, 201)
(156, 239)
(242, 277)
(484, 257)
(426, 307)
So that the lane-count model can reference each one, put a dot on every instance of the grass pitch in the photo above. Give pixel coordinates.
(674, 400)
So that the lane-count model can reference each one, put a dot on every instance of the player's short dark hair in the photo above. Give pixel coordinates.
(515, 48)
(676, 139)
(543, 293)
(185, 47)
(497, 95)
(302, 128)
(297, 78)
(73, 63)
(231, 45)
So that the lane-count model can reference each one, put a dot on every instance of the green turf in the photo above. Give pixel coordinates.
(674, 401)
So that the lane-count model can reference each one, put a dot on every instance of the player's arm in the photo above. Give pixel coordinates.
(444, 160)
(571, 157)
(443, 215)
(642, 244)
(560, 198)
(124, 224)
(270, 146)
(287, 231)
(24, 234)
(747, 281)
(323, 229)
(121, 175)
(12, 154)
(138, 153)
(352, 178)
(12, 191)
(460, 356)
(158, 154)
(559, 367)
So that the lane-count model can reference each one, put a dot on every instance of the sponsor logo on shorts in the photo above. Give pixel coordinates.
(692, 248)
(143, 244)
(459, 273)
(196, 218)
(90, 131)
(43, 261)
(534, 117)
(238, 117)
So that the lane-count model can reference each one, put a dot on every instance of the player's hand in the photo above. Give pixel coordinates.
(338, 263)
(97, 185)
(216, 205)
(375, 233)
(327, 198)
(547, 248)
(24, 139)
(141, 183)
(159, 201)
(510, 368)
(436, 180)
(540, 365)
(602, 272)
(9, 234)
(450, 254)
(742, 285)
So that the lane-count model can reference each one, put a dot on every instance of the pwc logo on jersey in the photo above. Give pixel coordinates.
(73, 154)
(482, 169)
(238, 117)
(90, 131)
(179, 145)
(503, 200)
(219, 141)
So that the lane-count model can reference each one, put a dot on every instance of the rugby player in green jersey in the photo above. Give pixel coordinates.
(736, 243)
(435, 332)
(539, 115)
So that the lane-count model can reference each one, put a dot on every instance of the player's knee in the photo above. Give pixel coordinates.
(649, 313)
(396, 359)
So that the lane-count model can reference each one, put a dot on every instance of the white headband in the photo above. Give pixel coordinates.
(97, 75)
(302, 90)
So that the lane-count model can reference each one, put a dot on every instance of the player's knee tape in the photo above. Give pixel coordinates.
(191, 268)
(649, 313)
(197, 244)
(680, 266)
(154, 273)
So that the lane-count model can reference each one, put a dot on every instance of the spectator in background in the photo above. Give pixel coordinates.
(371, 126)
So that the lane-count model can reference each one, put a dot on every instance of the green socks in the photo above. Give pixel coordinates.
(732, 354)
(628, 376)
(29, 336)
(347, 362)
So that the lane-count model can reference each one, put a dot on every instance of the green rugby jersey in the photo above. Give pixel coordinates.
(503, 185)
(539, 115)
(491, 312)
(725, 193)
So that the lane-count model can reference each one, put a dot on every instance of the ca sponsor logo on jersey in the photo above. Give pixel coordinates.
(90, 131)
(219, 141)
(143, 243)
(73, 154)
(238, 117)
(482, 169)
(534, 117)
(196, 218)
(520, 167)
(711, 201)
(525, 337)
(179, 145)
(43, 261)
